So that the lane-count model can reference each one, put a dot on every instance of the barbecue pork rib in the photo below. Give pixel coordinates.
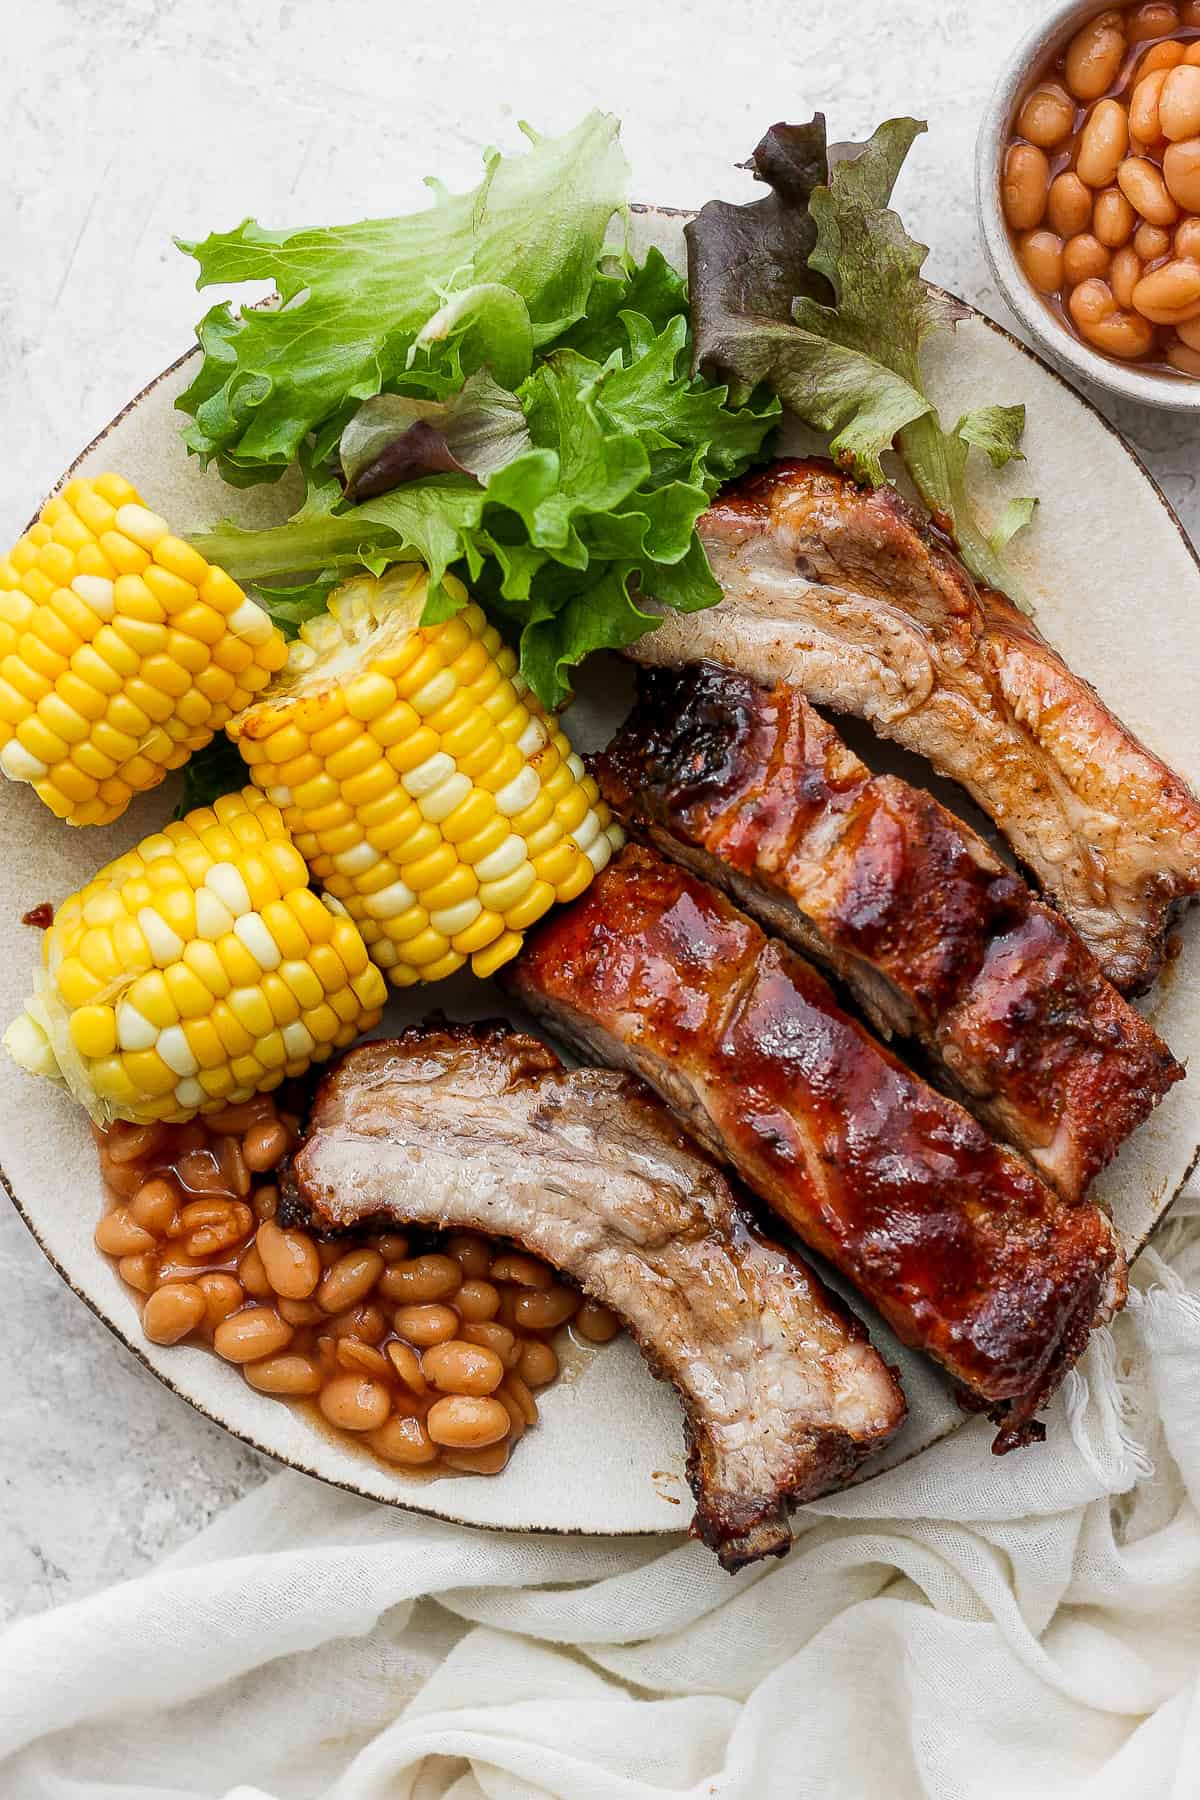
(964, 1251)
(846, 594)
(479, 1127)
(935, 938)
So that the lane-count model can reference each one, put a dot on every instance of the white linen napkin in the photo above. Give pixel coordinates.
(965, 1628)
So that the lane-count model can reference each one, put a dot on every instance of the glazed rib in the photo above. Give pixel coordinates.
(480, 1127)
(846, 594)
(963, 1250)
(936, 939)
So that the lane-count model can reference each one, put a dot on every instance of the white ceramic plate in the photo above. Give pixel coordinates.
(1117, 588)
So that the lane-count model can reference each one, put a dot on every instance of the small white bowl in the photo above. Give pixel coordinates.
(1177, 393)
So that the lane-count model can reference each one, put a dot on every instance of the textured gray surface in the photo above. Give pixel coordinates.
(130, 120)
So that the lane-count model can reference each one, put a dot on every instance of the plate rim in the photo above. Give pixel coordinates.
(405, 1500)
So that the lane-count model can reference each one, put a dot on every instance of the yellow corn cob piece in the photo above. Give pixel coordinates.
(422, 782)
(121, 651)
(195, 971)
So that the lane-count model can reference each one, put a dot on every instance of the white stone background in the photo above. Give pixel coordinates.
(127, 121)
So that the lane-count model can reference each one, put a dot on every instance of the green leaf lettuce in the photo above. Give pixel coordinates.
(817, 291)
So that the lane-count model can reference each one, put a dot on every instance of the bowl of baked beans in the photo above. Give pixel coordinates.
(1088, 181)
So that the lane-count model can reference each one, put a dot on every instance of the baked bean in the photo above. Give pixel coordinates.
(1114, 219)
(1094, 56)
(1187, 239)
(404, 1441)
(223, 1294)
(249, 1335)
(1192, 54)
(234, 1121)
(467, 1421)
(350, 1279)
(326, 1353)
(1181, 170)
(329, 1249)
(516, 1418)
(140, 1271)
(1068, 205)
(476, 1300)
(122, 1179)
(133, 1143)
(496, 1337)
(265, 1203)
(365, 1359)
(233, 1166)
(421, 1278)
(546, 1311)
(265, 1144)
(1084, 257)
(1102, 144)
(1024, 186)
(1182, 357)
(517, 1389)
(1096, 314)
(488, 1461)
(172, 1312)
(211, 1236)
(526, 1271)
(173, 1265)
(457, 1367)
(1160, 56)
(301, 1312)
(367, 1322)
(215, 1211)
(538, 1365)
(290, 1259)
(1047, 116)
(119, 1234)
(472, 1253)
(290, 1374)
(1151, 242)
(1143, 107)
(1124, 275)
(407, 1364)
(199, 1172)
(425, 1325)
(1042, 260)
(1189, 331)
(252, 1274)
(1154, 20)
(391, 1246)
(1169, 293)
(596, 1323)
(355, 1402)
(1179, 102)
(1189, 14)
(1142, 185)
(154, 1206)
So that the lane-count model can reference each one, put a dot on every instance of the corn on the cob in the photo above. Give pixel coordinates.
(422, 782)
(195, 971)
(121, 651)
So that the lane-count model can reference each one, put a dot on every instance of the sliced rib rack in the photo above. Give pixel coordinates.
(479, 1127)
(848, 595)
(963, 1250)
(875, 878)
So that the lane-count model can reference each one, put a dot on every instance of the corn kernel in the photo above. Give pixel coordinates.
(486, 962)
